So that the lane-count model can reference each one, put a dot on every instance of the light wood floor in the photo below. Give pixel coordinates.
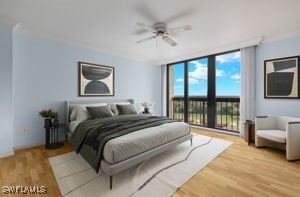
(241, 170)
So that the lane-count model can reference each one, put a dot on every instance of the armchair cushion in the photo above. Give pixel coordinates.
(274, 135)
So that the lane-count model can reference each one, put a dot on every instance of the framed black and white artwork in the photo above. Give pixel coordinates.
(96, 80)
(281, 77)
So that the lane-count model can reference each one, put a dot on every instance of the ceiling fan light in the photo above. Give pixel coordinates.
(161, 30)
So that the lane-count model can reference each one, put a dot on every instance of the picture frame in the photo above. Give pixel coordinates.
(281, 78)
(96, 80)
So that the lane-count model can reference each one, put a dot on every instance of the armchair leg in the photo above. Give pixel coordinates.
(110, 182)
(191, 141)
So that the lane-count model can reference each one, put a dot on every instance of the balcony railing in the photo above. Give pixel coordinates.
(227, 111)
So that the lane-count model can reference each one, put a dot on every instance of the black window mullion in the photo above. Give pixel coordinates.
(211, 92)
(186, 90)
(168, 92)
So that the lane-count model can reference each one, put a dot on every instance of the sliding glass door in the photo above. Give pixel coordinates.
(205, 91)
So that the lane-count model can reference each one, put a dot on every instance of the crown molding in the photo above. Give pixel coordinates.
(219, 49)
(233, 46)
(282, 36)
(8, 22)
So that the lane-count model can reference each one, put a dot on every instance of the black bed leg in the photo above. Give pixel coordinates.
(192, 142)
(110, 182)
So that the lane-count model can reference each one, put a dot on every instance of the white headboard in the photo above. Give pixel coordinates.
(70, 104)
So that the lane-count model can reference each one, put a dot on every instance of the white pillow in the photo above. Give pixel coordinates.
(80, 113)
(73, 114)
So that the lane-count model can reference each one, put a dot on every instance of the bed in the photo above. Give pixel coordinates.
(126, 140)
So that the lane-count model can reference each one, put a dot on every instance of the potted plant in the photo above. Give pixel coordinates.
(50, 116)
(54, 118)
(146, 105)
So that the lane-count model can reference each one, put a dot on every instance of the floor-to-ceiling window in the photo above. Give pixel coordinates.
(205, 91)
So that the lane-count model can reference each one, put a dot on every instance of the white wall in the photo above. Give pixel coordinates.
(6, 129)
(46, 74)
(272, 50)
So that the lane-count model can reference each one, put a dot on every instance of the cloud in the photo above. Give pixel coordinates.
(235, 76)
(178, 87)
(200, 72)
(179, 80)
(193, 81)
(220, 73)
(229, 57)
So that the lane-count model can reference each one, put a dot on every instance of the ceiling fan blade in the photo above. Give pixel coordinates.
(145, 39)
(140, 32)
(145, 12)
(180, 29)
(169, 41)
(147, 28)
(181, 14)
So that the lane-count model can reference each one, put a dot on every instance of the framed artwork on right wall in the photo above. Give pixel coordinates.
(281, 78)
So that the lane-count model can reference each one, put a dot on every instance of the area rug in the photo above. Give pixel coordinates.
(158, 176)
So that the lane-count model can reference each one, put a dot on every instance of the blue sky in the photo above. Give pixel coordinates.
(227, 76)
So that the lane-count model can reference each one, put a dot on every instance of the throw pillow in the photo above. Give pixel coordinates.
(99, 112)
(126, 109)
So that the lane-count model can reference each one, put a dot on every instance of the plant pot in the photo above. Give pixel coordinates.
(146, 110)
(47, 122)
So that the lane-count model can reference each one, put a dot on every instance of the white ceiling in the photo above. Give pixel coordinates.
(110, 25)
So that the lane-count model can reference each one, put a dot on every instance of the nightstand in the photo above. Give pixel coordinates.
(52, 136)
(249, 132)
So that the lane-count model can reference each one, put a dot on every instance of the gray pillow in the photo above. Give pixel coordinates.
(126, 109)
(114, 109)
(99, 112)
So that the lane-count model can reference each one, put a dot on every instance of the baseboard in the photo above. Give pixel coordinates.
(27, 146)
(215, 130)
(32, 145)
(17, 148)
(7, 154)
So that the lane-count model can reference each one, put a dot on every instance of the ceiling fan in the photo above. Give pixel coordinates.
(161, 30)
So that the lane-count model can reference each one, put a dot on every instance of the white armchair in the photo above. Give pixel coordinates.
(280, 132)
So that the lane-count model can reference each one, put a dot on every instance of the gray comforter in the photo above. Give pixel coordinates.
(90, 136)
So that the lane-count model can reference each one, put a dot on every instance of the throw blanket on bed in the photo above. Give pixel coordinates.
(90, 136)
